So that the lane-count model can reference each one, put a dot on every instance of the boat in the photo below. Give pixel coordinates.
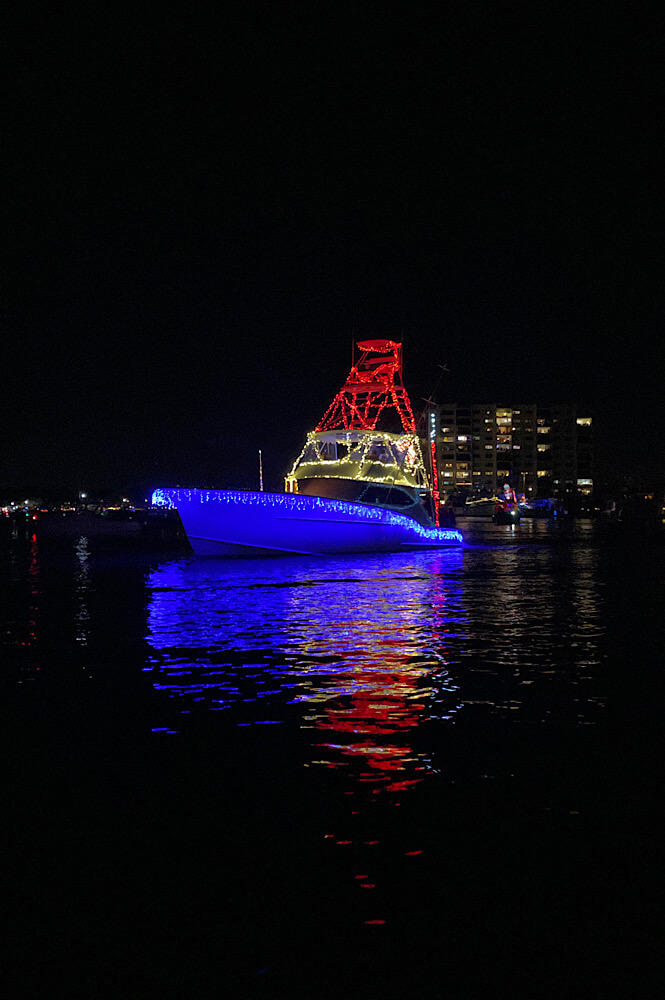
(359, 484)
(506, 510)
(502, 515)
(502, 509)
(538, 508)
(478, 507)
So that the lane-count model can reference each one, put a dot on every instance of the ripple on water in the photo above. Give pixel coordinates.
(366, 653)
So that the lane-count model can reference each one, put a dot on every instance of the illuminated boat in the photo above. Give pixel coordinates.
(356, 486)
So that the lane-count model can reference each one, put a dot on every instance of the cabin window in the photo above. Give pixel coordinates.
(398, 498)
(386, 495)
(320, 451)
(355, 452)
(379, 451)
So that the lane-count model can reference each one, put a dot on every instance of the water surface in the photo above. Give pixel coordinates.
(349, 776)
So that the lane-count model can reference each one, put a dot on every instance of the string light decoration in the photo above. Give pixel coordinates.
(348, 444)
(297, 510)
(436, 496)
(369, 456)
(374, 384)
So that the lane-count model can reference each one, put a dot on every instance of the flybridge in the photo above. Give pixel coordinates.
(370, 456)
(368, 432)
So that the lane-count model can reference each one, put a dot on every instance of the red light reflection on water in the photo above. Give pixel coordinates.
(35, 592)
(387, 704)
(363, 654)
(395, 683)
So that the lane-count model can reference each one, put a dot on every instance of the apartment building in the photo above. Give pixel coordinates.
(539, 450)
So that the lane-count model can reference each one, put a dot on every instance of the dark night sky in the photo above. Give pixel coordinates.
(203, 207)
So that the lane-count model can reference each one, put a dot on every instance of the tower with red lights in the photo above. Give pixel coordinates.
(373, 388)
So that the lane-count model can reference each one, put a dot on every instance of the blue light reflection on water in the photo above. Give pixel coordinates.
(364, 653)
(354, 650)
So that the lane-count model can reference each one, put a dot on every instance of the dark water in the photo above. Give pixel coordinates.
(407, 775)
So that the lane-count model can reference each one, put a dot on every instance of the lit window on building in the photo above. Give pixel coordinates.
(584, 421)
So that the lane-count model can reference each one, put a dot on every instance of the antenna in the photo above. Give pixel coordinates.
(444, 370)
(260, 471)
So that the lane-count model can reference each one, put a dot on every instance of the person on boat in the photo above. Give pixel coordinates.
(509, 498)
(447, 516)
(505, 505)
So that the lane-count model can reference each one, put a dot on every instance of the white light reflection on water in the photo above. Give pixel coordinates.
(536, 628)
(83, 586)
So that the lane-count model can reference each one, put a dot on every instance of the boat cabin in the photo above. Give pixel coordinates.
(375, 467)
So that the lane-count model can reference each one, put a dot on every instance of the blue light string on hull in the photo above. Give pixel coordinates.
(295, 503)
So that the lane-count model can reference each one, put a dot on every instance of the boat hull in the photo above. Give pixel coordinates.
(506, 516)
(244, 523)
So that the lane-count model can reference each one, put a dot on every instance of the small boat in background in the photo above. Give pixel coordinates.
(545, 507)
(482, 507)
(506, 509)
